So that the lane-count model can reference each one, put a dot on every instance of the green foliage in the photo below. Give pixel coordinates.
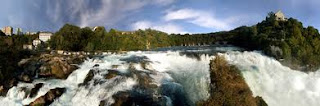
(69, 37)
(298, 45)
(2, 34)
(287, 40)
(73, 38)
(11, 53)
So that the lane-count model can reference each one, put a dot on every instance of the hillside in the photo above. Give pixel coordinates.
(286, 40)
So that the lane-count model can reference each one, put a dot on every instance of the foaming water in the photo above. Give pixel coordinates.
(174, 72)
(276, 84)
(191, 73)
(177, 74)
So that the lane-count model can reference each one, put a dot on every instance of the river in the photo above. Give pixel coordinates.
(180, 74)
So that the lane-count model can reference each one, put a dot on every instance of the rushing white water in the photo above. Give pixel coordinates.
(168, 69)
(176, 71)
(276, 84)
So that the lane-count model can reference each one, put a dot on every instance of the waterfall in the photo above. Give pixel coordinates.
(172, 71)
(178, 77)
(278, 85)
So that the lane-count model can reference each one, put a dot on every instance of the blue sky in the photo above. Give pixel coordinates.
(172, 16)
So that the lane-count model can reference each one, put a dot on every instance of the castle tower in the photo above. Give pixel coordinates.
(280, 16)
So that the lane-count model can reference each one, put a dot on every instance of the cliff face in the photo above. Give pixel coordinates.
(228, 88)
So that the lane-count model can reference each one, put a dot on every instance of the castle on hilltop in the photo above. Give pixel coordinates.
(280, 16)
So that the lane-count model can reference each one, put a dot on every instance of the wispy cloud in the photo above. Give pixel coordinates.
(168, 21)
(214, 15)
(164, 2)
(165, 27)
(88, 13)
(201, 18)
(198, 17)
(96, 12)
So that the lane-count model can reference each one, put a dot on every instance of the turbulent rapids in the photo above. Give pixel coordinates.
(170, 77)
(277, 84)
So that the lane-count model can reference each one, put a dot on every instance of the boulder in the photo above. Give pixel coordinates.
(121, 99)
(145, 93)
(25, 78)
(60, 69)
(48, 98)
(34, 91)
(89, 77)
(2, 91)
(111, 74)
(137, 98)
(50, 66)
(7, 85)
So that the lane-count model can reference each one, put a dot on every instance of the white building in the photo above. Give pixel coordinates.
(31, 33)
(28, 47)
(280, 16)
(7, 30)
(36, 42)
(45, 36)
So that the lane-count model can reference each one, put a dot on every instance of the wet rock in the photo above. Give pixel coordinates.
(121, 99)
(2, 91)
(144, 94)
(228, 88)
(89, 77)
(50, 66)
(39, 102)
(137, 98)
(134, 59)
(48, 98)
(30, 66)
(34, 91)
(61, 70)
(144, 65)
(45, 71)
(102, 103)
(25, 78)
(176, 93)
(96, 65)
(76, 59)
(145, 80)
(111, 74)
(260, 101)
(114, 66)
(7, 85)
(12, 82)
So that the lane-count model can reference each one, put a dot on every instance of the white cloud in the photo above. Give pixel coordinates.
(97, 12)
(166, 27)
(181, 14)
(163, 2)
(141, 25)
(112, 11)
(198, 17)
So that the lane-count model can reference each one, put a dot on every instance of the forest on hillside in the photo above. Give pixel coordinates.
(289, 41)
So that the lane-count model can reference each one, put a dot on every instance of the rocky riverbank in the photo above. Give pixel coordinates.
(126, 80)
(228, 88)
(49, 66)
(43, 66)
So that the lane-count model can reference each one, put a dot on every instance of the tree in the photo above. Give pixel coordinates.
(69, 37)
(2, 34)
